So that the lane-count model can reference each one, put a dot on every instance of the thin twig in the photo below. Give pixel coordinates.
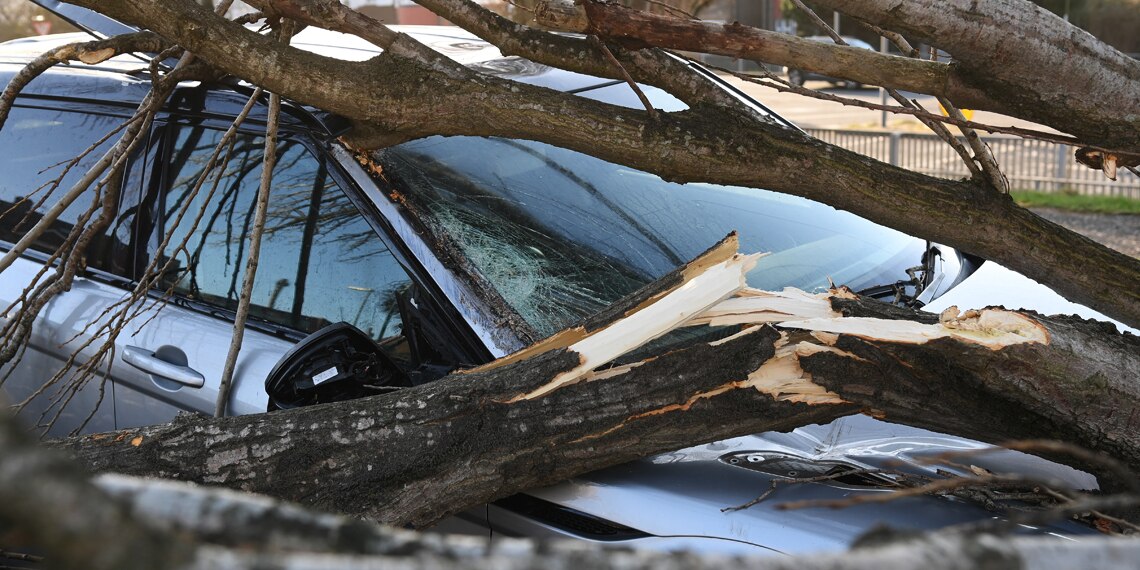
(1118, 470)
(601, 45)
(772, 82)
(270, 160)
(933, 487)
(939, 129)
(982, 152)
(20, 556)
(520, 6)
(671, 9)
(819, 22)
(1064, 510)
(818, 479)
(895, 38)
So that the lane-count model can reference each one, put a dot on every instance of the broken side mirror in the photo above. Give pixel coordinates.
(336, 363)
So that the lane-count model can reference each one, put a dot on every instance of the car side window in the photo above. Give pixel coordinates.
(320, 261)
(40, 147)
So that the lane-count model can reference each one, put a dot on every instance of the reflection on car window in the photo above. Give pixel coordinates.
(560, 235)
(33, 156)
(320, 261)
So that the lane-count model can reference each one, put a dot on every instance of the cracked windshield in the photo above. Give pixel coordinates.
(560, 235)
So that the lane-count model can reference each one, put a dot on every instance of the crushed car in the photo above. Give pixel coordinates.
(438, 254)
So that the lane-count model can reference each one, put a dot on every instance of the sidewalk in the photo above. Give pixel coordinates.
(816, 114)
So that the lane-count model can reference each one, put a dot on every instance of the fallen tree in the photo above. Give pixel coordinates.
(552, 411)
(991, 374)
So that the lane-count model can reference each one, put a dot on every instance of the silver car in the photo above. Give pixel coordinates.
(465, 249)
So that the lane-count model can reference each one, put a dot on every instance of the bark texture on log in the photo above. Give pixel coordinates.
(201, 527)
(418, 455)
(954, 552)
(413, 95)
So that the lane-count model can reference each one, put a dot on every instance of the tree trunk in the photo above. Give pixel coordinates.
(550, 412)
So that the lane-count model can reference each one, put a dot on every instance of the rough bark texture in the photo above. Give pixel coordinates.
(999, 46)
(411, 96)
(39, 492)
(197, 527)
(1080, 387)
(637, 29)
(1002, 47)
(424, 453)
(415, 456)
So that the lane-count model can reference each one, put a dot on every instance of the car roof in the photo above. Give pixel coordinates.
(125, 78)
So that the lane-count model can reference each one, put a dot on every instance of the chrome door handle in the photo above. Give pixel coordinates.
(146, 361)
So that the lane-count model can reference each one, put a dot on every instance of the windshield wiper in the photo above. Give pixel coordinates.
(920, 277)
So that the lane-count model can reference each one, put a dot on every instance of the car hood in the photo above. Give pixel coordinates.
(684, 493)
(689, 493)
(995, 285)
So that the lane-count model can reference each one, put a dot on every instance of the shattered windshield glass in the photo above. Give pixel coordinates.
(560, 235)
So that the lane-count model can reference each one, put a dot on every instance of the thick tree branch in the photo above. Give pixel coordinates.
(556, 407)
(407, 99)
(1003, 46)
(39, 489)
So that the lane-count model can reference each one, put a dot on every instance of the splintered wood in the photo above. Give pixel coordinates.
(711, 291)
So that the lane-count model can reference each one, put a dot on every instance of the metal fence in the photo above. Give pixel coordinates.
(1029, 164)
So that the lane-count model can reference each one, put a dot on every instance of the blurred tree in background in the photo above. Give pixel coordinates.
(1114, 22)
(16, 17)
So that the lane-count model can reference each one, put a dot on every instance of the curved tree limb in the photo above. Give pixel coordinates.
(408, 99)
(1001, 47)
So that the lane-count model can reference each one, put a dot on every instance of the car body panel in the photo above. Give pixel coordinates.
(92, 407)
(671, 493)
(995, 285)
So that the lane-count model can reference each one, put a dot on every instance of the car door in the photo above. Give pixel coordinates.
(320, 262)
(44, 142)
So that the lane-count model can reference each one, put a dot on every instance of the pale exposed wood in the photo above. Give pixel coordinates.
(992, 328)
(753, 306)
(696, 293)
(720, 253)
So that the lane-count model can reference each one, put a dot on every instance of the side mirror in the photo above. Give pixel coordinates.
(336, 363)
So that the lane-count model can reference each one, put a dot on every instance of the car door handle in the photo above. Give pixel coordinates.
(146, 361)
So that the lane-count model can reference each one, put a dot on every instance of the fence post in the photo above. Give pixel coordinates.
(896, 138)
(1062, 166)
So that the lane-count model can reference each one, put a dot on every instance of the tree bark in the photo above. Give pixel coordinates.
(999, 47)
(413, 95)
(532, 419)
(121, 522)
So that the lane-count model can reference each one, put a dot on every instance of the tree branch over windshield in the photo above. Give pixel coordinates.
(413, 96)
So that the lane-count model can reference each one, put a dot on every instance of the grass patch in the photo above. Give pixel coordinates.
(1076, 202)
